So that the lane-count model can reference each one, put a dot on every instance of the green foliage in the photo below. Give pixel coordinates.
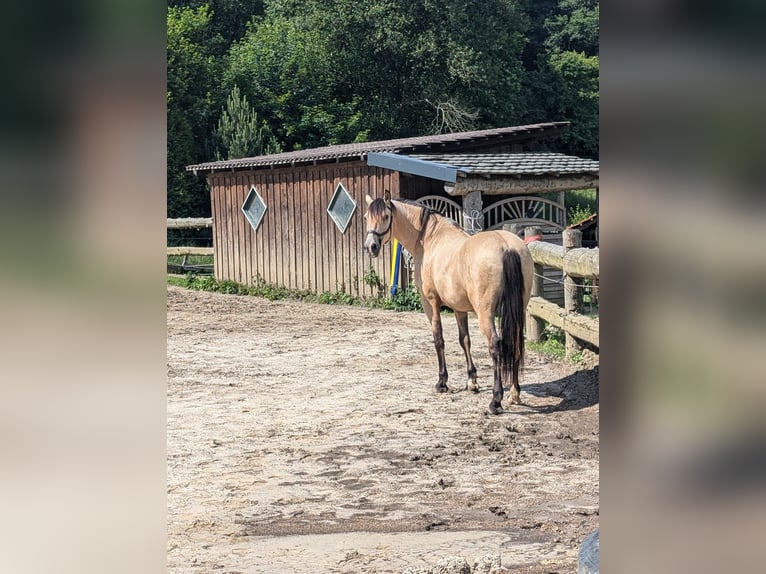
(551, 343)
(239, 132)
(320, 72)
(407, 299)
(580, 204)
(324, 69)
(190, 259)
(208, 283)
(229, 19)
(374, 281)
(573, 27)
(578, 214)
(562, 63)
(191, 89)
(337, 298)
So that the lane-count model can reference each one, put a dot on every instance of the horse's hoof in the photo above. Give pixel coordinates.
(495, 409)
(441, 388)
(473, 387)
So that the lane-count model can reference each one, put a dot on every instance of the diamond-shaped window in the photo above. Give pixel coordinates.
(254, 208)
(341, 207)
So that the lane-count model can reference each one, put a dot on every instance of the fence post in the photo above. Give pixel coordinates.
(572, 239)
(535, 326)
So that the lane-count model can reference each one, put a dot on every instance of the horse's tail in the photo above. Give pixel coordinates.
(512, 316)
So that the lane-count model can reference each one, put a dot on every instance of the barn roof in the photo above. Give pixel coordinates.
(422, 144)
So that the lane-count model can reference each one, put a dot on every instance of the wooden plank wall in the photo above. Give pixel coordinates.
(297, 244)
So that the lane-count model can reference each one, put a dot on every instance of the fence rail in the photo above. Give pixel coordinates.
(577, 264)
(190, 223)
(187, 250)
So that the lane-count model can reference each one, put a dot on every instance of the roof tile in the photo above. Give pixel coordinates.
(420, 143)
(514, 163)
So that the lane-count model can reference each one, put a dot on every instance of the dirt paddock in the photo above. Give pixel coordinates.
(309, 438)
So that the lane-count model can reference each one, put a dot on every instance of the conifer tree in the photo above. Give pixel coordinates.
(239, 133)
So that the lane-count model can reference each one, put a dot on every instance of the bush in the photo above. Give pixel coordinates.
(407, 299)
(580, 204)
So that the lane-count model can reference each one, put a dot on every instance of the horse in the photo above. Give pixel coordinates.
(489, 273)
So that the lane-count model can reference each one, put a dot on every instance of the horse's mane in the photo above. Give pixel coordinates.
(378, 208)
(425, 214)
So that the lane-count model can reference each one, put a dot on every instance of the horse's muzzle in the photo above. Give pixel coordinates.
(372, 246)
(372, 250)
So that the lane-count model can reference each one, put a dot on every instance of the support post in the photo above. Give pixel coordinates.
(535, 326)
(562, 203)
(572, 239)
(472, 207)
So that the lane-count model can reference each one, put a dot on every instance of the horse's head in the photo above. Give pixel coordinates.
(379, 218)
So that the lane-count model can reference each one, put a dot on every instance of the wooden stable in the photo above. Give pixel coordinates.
(298, 245)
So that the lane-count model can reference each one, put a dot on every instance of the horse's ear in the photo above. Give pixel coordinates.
(368, 199)
(387, 198)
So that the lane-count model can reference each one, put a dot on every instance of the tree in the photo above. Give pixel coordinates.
(190, 96)
(562, 76)
(239, 132)
(228, 19)
(336, 71)
(319, 72)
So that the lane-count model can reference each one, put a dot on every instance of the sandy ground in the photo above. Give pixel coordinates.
(309, 438)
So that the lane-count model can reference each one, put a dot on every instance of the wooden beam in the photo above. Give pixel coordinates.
(547, 311)
(547, 254)
(582, 327)
(190, 223)
(501, 185)
(579, 326)
(190, 251)
(580, 262)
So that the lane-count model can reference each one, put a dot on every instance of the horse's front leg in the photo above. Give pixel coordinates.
(465, 342)
(431, 309)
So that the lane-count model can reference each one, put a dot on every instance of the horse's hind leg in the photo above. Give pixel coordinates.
(465, 342)
(487, 326)
(515, 389)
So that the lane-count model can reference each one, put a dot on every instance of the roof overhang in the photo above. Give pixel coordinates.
(462, 180)
(413, 166)
(520, 184)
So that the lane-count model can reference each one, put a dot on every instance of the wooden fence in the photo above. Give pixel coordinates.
(186, 250)
(577, 264)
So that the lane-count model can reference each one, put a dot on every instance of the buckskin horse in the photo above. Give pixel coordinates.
(489, 273)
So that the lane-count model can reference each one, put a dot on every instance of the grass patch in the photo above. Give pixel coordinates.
(551, 343)
(405, 300)
(190, 259)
